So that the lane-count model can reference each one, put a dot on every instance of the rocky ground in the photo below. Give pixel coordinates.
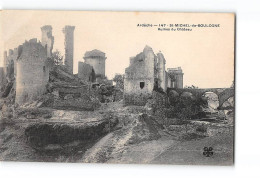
(113, 134)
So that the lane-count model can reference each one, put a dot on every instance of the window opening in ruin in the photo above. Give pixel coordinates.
(141, 85)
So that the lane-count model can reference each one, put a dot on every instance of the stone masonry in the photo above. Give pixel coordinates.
(69, 47)
(140, 78)
(97, 59)
(86, 72)
(32, 72)
(161, 71)
(176, 76)
(47, 39)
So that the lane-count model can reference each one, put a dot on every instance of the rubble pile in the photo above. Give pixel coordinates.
(65, 91)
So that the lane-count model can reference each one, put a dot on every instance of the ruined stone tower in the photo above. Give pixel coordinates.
(97, 59)
(69, 47)
(47, 39)
(32, 72)
(161, 71)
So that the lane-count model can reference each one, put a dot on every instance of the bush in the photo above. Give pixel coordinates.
(185, 108)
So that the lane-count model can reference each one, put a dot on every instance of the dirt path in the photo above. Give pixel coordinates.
(132, 142)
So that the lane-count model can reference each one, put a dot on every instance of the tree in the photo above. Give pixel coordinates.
(119, 80)
(57, 58)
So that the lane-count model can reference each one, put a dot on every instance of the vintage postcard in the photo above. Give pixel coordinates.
(117, 87)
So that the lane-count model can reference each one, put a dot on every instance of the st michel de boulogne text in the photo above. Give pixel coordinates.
(177, 27)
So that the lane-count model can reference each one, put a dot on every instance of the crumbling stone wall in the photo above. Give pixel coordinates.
(47, 39)
(140, 78)
(32, 72)
(69, 47)
(86, 72)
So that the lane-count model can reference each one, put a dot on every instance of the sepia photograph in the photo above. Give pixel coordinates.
(117, 87)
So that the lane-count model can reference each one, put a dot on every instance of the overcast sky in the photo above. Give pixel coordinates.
(206, 55)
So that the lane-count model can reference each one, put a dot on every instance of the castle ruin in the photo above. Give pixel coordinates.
(146, 73)
(27, 70)
(32, 71)
(69, 47)
(27, 65)
(140, 77)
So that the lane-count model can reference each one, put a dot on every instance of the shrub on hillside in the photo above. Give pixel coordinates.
(185, 108)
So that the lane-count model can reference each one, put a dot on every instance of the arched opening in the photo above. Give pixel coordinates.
(212, 99)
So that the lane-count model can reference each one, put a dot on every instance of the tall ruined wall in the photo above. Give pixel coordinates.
(69, 47)
(98, 63)
(169, 83)
(179, 81)
(32, 72)
(10, 60)
(161, 71)
(139, 78)
(2, 78)
(47, 39)
(178, 78)
(86, 72)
